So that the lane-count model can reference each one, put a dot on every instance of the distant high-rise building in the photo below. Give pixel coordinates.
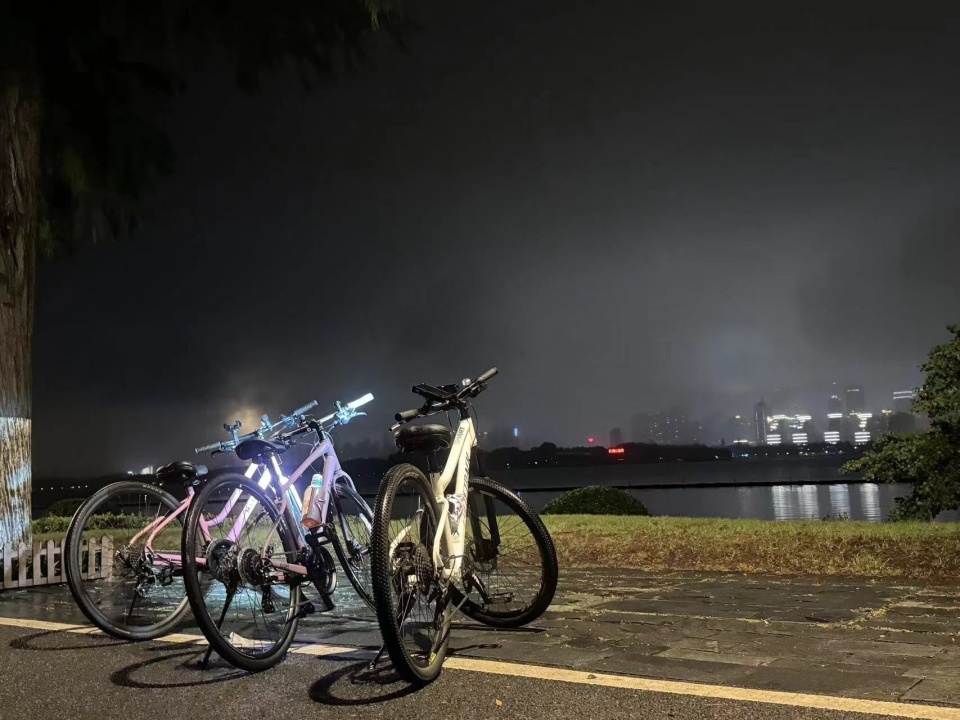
(760, 422)
(903, 419)
(902, 423)
(834, 420)
(855, 400)
(860, 427)
(616, 437)
(736, 429)
(903, 401)
(671, 427)
(789, 429)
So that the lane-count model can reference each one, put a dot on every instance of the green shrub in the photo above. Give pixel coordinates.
(50, 524)
(595, 500)
(105, 521)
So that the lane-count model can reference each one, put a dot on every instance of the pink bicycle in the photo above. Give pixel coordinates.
(122, 554)
(250, 546)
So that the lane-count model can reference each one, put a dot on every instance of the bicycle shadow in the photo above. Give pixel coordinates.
(358, 684)
(29, 642)
(177, 660)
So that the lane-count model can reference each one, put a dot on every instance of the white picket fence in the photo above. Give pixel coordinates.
(42, 564)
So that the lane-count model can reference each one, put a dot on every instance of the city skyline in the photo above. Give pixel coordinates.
(742, 425)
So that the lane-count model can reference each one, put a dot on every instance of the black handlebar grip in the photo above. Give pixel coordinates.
(487, 375)
(406, 415)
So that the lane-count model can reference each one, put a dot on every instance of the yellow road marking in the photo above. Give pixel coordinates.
(723, 692)
(540, 672)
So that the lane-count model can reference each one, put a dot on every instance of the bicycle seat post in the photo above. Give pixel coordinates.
(433, 464)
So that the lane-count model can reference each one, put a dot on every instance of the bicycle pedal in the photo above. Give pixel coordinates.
(328, 603)
(307, 608)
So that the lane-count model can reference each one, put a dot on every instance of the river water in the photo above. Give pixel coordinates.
(866, 501)
(794, 489)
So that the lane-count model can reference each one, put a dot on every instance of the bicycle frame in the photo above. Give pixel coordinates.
(450, 535)
(291, 507)
(154, 528)
(332, 472)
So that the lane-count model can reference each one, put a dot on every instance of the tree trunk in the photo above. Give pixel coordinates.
(19, 196)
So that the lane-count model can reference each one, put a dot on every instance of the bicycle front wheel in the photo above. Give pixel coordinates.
(411, 600)
(121, 558)
(235, 535)
(353, 525)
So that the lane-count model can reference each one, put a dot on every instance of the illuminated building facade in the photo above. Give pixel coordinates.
(789, 429)
(834, 429)
(760, 423)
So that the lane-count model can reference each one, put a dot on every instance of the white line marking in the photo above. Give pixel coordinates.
(539, 672)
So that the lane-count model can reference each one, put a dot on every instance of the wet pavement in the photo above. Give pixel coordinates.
(870, 639)
(93, 676)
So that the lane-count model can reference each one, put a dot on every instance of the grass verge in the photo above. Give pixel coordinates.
(915, 551)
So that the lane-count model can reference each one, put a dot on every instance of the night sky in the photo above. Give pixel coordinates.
(622, 209)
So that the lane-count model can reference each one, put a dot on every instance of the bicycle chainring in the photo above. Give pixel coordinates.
(322, 570)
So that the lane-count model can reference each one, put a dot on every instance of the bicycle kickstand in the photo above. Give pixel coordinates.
(376, 659)
(206, 656)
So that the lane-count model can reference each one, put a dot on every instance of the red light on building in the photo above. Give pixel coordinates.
(615, 451)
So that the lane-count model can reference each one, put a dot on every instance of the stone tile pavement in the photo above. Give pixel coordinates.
(873, 639)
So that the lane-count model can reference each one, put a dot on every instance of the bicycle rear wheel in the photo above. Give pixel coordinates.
(249, 612)
(411, 600)
(510, 553)
(128, 587)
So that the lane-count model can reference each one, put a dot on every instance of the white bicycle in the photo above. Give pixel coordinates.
(452, 543)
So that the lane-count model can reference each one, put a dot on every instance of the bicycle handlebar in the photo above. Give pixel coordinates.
(444, 398)
(486, 376)
(344, 411)
(301, 410)
(265, 427)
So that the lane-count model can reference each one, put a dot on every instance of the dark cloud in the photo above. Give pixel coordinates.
(624, 208)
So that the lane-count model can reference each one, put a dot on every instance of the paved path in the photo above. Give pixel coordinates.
(870, 640)
(59, 675)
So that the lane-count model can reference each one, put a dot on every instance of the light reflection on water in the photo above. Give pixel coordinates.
(867, 501)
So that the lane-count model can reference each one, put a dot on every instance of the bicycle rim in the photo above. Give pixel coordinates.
(410, 599)
(248, 611)
(123, 569)
(510, 553)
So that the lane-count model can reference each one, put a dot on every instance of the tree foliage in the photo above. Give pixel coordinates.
(929, 460)
(103, 69)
